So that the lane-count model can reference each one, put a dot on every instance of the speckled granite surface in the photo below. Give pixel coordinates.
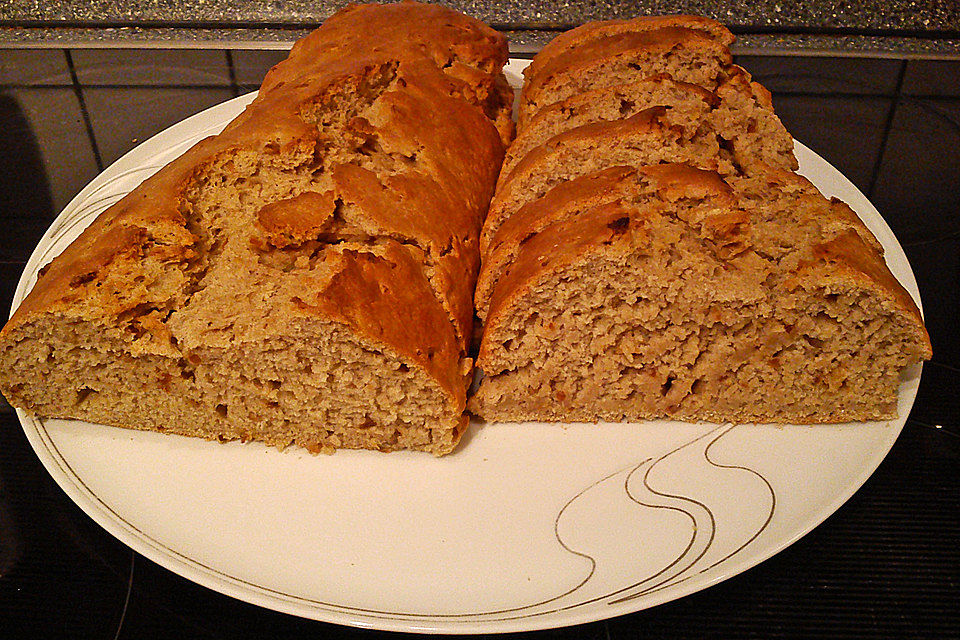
(521, 41)
(917, 27)
(914, 15)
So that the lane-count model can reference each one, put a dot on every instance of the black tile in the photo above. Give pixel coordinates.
(162, 604)
(145, 112)
(21, 236)
(936, 265)
(251, 65)
(938, 398)
(846, 131)
(918, 185)
(62, 575)
(823, 75)
(47, 155)
(932, 78)
(152, 67)
(34, 67)
(9, 277)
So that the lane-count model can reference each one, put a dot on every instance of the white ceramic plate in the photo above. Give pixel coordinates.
(523, 527)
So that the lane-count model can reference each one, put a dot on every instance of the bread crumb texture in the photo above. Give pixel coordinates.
(650, 251)
(303, 278)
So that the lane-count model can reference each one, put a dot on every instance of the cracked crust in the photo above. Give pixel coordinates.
(575, 38)
(326, 208)
(688, 55)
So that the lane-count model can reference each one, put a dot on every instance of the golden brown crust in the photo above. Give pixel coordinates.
(739, 80)
(396, 206)
(530, 136)
(389, 32)
(582, 59)
(374, 295)
(847, 260)
(114, 244)
(846, 256)
(467, 50)
(619, 293)
(575, 216)
(641, 122)
(554, 248)
(571, 198)
(436, 129)
(592, 30)
(653, 123)
(298, 219)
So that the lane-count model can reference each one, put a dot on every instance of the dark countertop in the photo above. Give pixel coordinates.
(885, 565)
(930, 17)
(912, 27)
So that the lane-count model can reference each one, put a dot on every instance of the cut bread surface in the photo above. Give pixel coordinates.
(594, 30)
(759, 304)
(653, 120)
(313, 383)
(654, 135)
(683, 54)
(574, 197)
(306, 276)
(650, 252)
(739, 112)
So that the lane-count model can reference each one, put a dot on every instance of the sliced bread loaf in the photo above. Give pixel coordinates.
(757, 300)
(567, 200)
(306, 276)
(606, 104)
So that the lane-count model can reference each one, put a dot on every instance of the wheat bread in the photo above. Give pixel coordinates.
(594, 30)
(744, 300)
(306, 276)
(684, 54)
(653, 135)
(741, 112)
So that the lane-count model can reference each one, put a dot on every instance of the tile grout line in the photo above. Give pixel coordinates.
(232, 73)
(78, 91)
(887, 126)
(169, 85)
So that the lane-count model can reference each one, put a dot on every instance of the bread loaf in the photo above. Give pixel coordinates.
(306, 276)
(651, 253)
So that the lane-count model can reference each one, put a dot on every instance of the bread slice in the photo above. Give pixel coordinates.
(650, 136)
(566, 200)
(576, 37)
(306, 276)
(740, 112)
(616, 102)
(685, 54)
(753, 301)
